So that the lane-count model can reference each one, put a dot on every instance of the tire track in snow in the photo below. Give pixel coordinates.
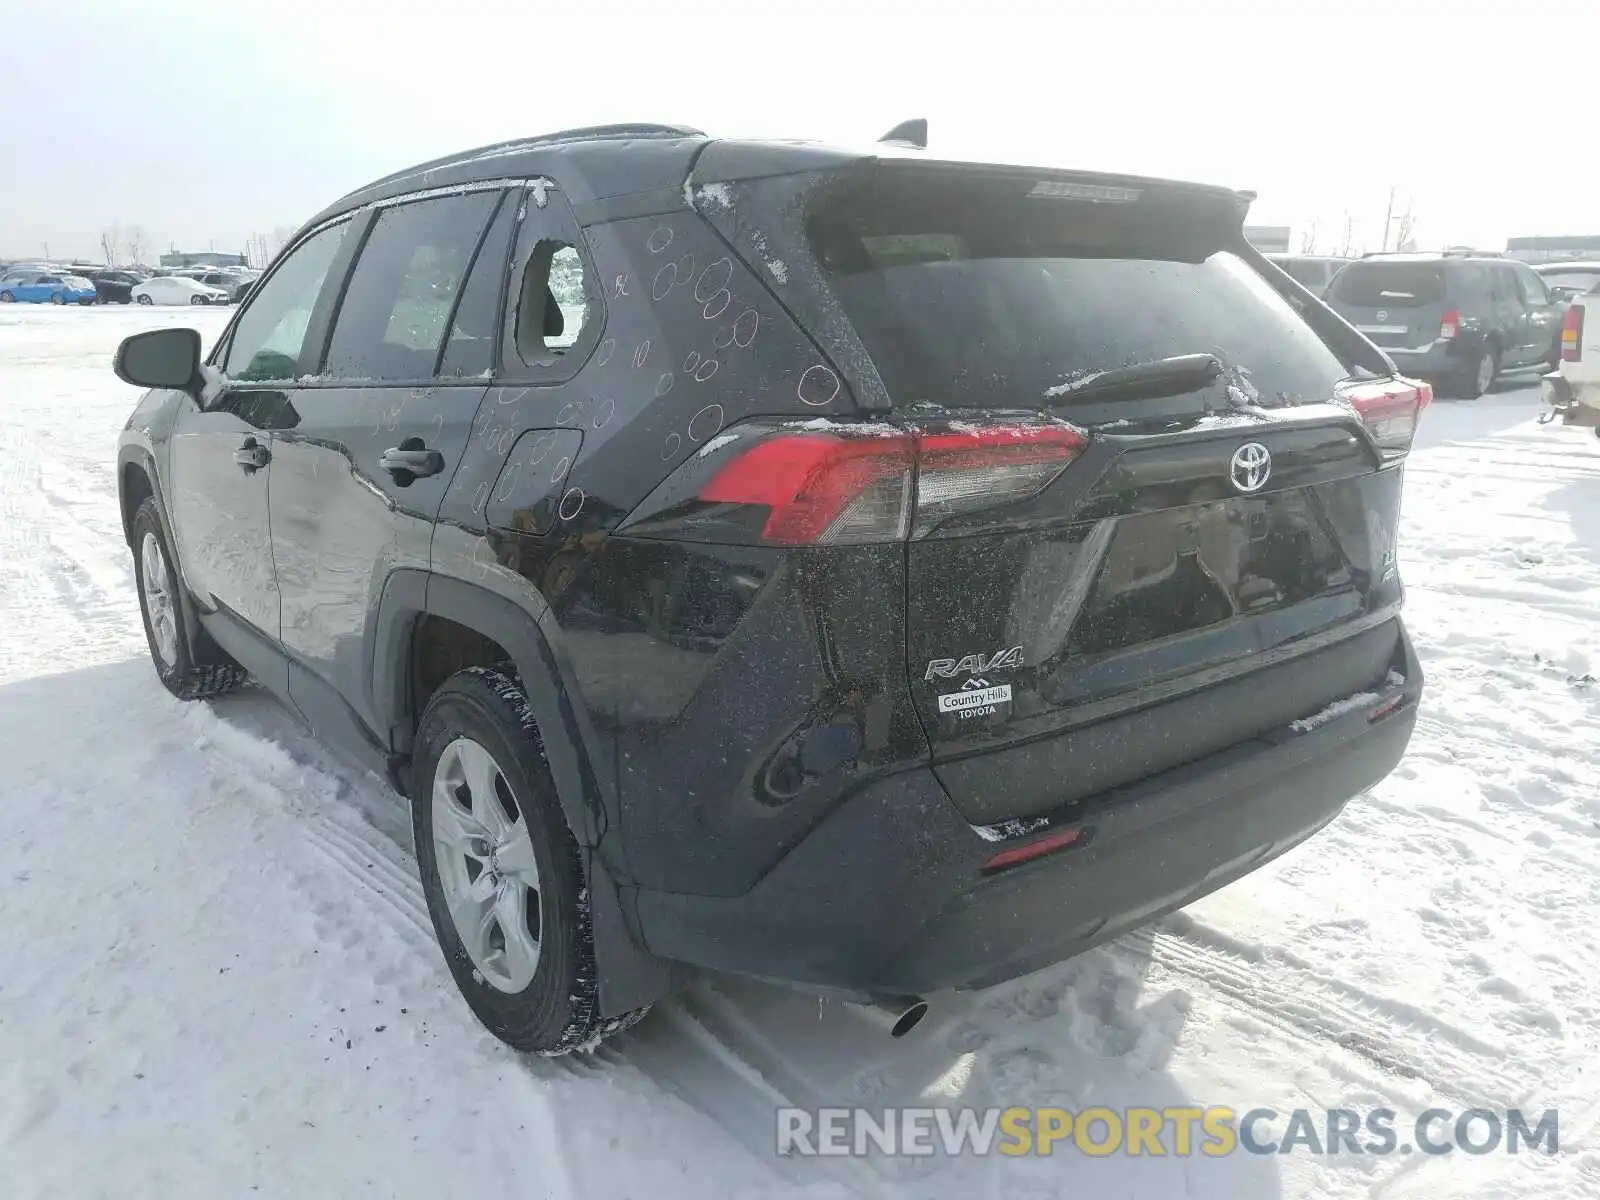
(1398, 1038)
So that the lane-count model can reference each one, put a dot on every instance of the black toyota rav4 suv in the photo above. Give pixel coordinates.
(839, 567)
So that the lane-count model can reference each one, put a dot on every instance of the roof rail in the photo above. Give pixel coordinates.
(512, 145)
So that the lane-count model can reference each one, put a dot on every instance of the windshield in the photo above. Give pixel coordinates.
(967, 300)
(79, 282)
(1390, 284)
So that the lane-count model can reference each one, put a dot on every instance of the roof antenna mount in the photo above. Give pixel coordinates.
(913, 133)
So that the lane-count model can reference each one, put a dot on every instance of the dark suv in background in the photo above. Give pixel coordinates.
(1460, 320)
(846, 568)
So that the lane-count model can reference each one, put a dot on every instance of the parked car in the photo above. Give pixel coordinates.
(113, 286)
(1572, 390)
(231, 282)
(45, 287)
(1575, 277)
(176, 289)
(793, 561)
(1459, 319)
(1316, 271)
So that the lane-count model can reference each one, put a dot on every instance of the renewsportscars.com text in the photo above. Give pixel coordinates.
(1158, 1132)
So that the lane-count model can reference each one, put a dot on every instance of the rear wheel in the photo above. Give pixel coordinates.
(500, 868)
(7, 298)
(57, 298)
(163, 616)
(146, 300)
(1479, 375)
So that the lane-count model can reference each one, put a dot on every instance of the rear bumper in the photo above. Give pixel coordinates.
(888, 895)
(1576, 403)
(1437, 361)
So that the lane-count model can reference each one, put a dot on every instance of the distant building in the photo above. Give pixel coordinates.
(1553, 249)
(202, 258)
(1269, 239)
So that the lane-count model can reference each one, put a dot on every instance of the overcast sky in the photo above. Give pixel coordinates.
(204, 121)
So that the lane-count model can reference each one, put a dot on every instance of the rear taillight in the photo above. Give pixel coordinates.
(1389, 409)
(1572, 335)
(848, 485)
(1450, 325)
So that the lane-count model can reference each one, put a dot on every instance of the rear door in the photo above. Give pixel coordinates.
(1217, 561)
(358, 481)
(1511, 314)
(1395, 302)
(1544, 317)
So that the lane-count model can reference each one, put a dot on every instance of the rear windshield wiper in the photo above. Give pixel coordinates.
(1143, 381)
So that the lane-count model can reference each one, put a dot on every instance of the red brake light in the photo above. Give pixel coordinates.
(819, 488)
(840, 488)
(1572, 335)
(1390, 409)
(1451, 324)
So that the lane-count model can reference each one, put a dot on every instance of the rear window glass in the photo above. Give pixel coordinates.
(967, 296)
(1390, 285)
(1579, 280)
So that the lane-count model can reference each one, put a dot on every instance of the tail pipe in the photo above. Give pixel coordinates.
(904, 1013)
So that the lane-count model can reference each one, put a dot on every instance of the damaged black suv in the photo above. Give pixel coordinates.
(836, 566)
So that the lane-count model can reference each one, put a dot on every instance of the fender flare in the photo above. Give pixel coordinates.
(198, 642)
(630, 976)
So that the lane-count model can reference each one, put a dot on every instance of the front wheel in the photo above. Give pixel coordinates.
(7, 298)
(146, 300)
(197, 299)
(163, 616)
(57, 298)
(500, 868)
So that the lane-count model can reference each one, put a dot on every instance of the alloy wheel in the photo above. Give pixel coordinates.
(1485, 371)
(155, 586)
(487, 867)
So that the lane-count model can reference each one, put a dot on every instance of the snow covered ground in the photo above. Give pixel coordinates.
(217, 976)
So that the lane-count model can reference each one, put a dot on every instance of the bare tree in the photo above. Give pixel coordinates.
(1308, 238)
(109, 242)
(1347, 239)
(137, 244)
(280, 238)
(1405, 235)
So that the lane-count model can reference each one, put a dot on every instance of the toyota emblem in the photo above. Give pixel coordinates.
(1250, 467)
(1383, 314)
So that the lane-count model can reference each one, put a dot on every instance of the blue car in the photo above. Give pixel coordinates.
(45, 287)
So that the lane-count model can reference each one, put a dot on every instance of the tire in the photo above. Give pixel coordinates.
(1478, 377)
(163, 616)
(145, 300)
(7, 298)
(57, 298)
(548, 1002)
(198, 300)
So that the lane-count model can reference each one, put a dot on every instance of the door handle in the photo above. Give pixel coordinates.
(252, 456)
(411, 459)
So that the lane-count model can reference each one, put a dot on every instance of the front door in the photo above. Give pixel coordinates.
(219, 463)
(222, 459)
(382, 426)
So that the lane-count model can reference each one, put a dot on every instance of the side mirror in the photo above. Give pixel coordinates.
(160, 358)
(1562, 295)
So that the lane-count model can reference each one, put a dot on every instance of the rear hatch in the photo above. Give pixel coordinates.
(1149, 512)
(1396, 304)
